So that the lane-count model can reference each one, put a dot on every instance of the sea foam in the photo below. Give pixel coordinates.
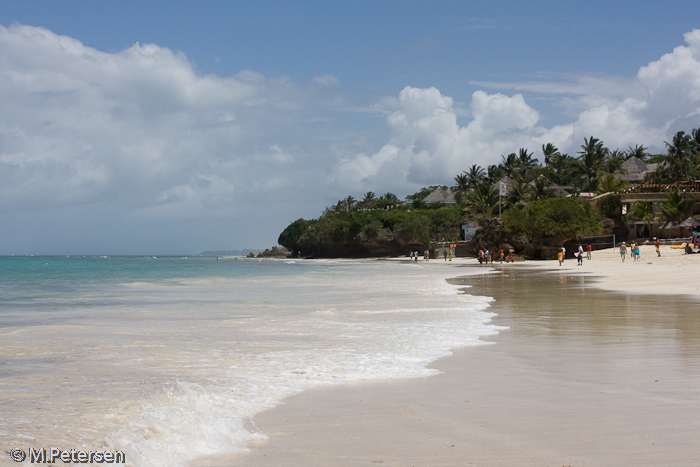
(176, 368)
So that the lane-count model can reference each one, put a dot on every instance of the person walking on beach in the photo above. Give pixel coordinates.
(658, 246)
(623, 250)
(510, 255)
(426, 256)
(632, 245)
(579, 257)
(589, 248)
(560, 255)
(503, 256)
(563, 253)
(637, 256)
(444, 253)
(481, 256)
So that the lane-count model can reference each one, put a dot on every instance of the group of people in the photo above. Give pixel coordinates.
(426, 255)
(579, 254)
(634, 251)
(486, 256)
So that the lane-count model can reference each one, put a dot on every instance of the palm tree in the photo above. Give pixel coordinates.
(518, 194)
(695, 146)
(695, 140)
(390, 197)
(349, 203)
(493, 173)
(643, 211)
(462, 181)
(609, 183)
(475, 175)
(614, 160)
(593, 155)
(483, 199)
(525, 159)
(525, 164)
(542, 190)
(679, 161)
(509, 164)
(550, 151)
(560, 168)
(640, 152)
(368, 200)
(676, 207)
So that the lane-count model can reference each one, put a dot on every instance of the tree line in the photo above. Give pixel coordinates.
(386, 220)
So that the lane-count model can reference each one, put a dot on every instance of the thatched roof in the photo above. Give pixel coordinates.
(671, 225)
(690, 222)
(440, 195)
(634, 169)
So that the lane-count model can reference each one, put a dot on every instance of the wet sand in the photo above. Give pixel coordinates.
(581, 377)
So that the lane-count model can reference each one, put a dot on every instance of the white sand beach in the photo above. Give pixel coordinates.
(673, 272)
(599, 366)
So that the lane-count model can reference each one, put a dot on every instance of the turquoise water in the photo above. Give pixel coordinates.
(168, 358)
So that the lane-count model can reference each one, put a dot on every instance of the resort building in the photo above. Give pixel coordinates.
(634, 170)
(658, 226)
(440, 195)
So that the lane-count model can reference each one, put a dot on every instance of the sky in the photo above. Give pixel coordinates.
(175, 127)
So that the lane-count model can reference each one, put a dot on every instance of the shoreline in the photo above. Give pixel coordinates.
(582, 377)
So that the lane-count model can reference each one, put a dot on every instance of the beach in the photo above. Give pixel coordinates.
(168, 359)
(595, 365)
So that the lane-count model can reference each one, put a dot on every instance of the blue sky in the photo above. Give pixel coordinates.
(177, 127)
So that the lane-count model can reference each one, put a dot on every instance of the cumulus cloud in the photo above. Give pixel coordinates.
(138, 135)
(80, 123)
(427, 146)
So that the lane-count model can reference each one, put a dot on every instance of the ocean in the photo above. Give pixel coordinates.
(169, 359)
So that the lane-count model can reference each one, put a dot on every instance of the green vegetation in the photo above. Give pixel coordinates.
(361, 232)
(534, 209)
(551, 217)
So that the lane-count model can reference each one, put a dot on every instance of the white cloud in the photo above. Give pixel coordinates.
(77, 122)
(672, 84)
(428, 147)
(138, 135)
(325, 80)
